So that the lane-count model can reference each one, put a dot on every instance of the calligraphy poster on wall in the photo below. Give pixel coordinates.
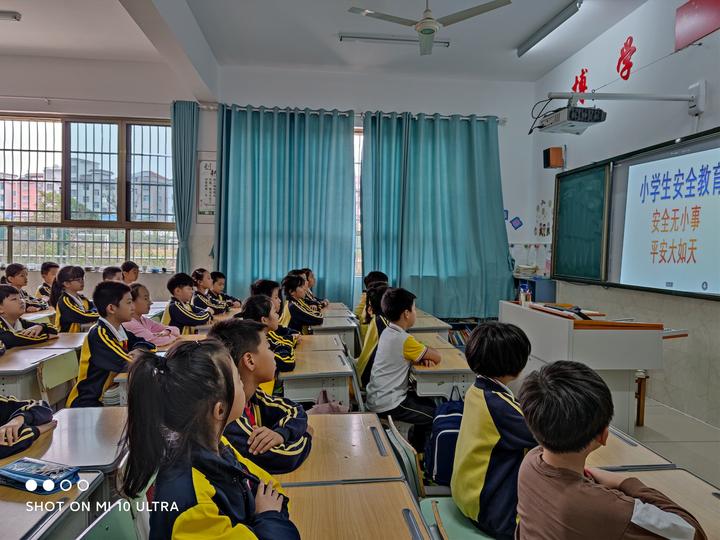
(206, 191)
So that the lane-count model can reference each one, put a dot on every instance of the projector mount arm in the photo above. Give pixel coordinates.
(696, 100)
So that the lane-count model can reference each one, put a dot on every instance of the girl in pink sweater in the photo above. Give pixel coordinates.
(146, 328)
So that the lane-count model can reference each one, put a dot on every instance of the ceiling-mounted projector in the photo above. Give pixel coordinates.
(571, 119)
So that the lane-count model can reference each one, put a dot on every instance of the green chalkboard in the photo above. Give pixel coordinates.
(581, 224)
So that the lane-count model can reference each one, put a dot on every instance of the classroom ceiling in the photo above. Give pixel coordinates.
(85, 29)
(300, 34)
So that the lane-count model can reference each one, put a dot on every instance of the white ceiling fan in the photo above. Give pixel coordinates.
(428, 26)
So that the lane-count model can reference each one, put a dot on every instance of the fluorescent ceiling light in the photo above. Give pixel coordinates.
(10, 16)
(547, 28)
(384, 38)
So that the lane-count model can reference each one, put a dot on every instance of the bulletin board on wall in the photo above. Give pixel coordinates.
(206, 188)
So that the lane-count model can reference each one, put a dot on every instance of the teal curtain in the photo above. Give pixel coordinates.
(286, 196)
(432, 211)
(185, 119)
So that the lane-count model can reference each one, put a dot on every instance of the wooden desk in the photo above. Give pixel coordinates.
(43, 316)
(225, 316)
(52, 520)
(183, 337)
(87, 438)
(316, 371)
(324, 342)
(63, 341)
(346, 327)
(623, 451)
(357, 511)
(345, 448)
(430, 324)
(452, 371)
(690, 492)
(18, 369)
(436, 341)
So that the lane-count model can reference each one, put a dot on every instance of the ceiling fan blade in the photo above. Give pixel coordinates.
(426, 43)
(471, 12)
(382, 16)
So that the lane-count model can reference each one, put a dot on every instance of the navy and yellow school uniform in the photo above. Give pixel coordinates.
(298, 315)
(43, 291)
(184, 316)
(361, 314)
(281, 415)
(283, 347)
(34, 413)
(213, 496)
(223, 298)
(492, 442)
(366, 359)
(10, 335)
(310, 298)
(204, 300)
(104, 354)
(31, 301)
(72, 312)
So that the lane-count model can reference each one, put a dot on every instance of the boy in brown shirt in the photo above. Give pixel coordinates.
(568, 408)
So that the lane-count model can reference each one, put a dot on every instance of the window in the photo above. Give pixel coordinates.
(91, 192)
(358, 223)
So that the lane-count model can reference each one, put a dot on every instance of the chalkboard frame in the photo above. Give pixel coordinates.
(604, 242)
(714, 132)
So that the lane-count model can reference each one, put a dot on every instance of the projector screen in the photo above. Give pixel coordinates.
(671, 223)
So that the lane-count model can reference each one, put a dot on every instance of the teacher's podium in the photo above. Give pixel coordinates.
(616, 350)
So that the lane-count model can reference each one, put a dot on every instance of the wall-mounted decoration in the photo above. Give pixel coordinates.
(543, 219)
(580, 84)
(695, 20)
(506, 215)
(624, 63)
(516, 222)
(206, 187)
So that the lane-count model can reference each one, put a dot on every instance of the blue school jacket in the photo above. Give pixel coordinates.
(12, 338)
(211, 496)
(69, 315)
(34, 413)
(184, 316)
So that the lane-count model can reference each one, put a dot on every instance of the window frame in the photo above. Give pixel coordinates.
(123, 184)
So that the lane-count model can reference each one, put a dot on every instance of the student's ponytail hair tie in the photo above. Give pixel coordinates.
(161, 366)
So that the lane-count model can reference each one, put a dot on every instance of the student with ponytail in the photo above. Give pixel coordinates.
(72, 309)
(178, 407)
(201, 299)
(17, 276)
(271, 289)
(260, 308)
(298, 314)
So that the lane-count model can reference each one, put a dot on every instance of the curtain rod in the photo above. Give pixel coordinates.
(213, 107)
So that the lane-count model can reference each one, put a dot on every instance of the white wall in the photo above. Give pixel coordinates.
(370, 92)
(691, 374)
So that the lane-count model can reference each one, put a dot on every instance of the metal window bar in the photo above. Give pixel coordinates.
(150, 175)
(358, 146)
(153, 249)
(30, 170)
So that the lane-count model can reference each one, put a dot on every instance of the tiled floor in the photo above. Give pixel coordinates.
(682, 439)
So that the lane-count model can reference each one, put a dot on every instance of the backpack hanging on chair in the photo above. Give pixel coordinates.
(440, 448)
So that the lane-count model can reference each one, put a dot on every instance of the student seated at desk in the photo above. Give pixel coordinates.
(273, 431)
(310, 297)
(180, 312)
(372, 277)
(21, 422)
(201, 299)
(494, 437)
(568, 408)
(72, 309)
(143, 327)
(298, 314)
(217, 292)
(112, 273)
(130, 272)
(377, 323)
(388, 392)
(208, 489)
(107, 349)
(17, 276)
(260, 309)
(15, 331)
(48, 271)
(271, 288)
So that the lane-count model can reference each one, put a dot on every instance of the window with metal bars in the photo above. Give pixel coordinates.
(91, 192)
